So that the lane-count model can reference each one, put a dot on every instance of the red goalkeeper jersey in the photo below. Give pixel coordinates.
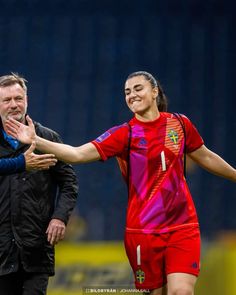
(150, 156)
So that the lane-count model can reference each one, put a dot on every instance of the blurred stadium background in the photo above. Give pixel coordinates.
(76, 55)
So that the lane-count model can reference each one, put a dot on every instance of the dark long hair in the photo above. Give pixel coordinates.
(162, 102)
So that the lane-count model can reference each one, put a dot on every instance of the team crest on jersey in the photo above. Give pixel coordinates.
(173, 135)
(140, 276)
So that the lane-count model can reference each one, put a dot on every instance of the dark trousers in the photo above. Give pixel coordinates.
(23, 283)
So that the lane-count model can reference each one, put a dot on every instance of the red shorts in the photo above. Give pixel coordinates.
(154, 256)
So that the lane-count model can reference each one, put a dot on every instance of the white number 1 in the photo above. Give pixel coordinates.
(138, 255)
(163, 161)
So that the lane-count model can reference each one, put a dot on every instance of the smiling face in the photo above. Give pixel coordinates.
(13, 103)
(141, 97)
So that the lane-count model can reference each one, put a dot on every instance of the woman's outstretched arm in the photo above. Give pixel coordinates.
(67, 153)
(213, 163)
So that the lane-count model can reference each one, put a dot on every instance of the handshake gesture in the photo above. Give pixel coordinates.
(38, 162)
(26, 134)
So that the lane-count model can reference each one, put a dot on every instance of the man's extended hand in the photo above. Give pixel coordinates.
(39, 162)
(55, 231)
(24, 133)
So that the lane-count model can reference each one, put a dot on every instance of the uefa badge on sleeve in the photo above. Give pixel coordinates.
(140, 276)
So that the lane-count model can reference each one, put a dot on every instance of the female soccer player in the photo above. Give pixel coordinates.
(162, 237)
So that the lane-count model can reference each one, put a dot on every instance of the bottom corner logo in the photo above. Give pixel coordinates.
(140, 276)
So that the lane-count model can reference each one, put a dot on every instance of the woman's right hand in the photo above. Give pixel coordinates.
(23, 133)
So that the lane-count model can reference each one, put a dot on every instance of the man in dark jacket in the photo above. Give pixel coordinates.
(34, 205)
